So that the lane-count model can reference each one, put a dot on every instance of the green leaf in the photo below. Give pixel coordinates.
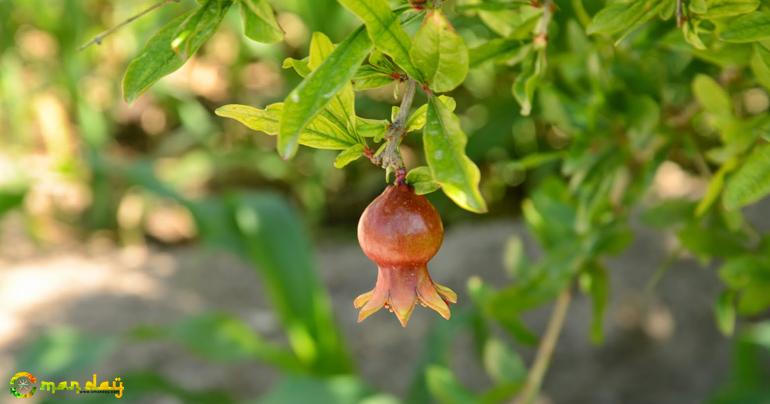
(498, 49)
(170, 47)
(221, 337)
(616, 17)
(598, 289)
(724, 311)
(318, 88)
(301, 66)
(259, 21)
(261, 120)
(444, 145)
(322, 132)
(439, 53)
(374, 128)
(707, 243)
(763, 52)
(752, 180)
(711, 96)
(334, 390)
(729, 8)
(349, 155)
(445, 388)
(715, 187)
(320, 49)
(422, 180)
(503, 364)
(525, 84)
(11, 198)
(369, 76)
(748, 28)
(513, 23)
(263, 229)
(385, 31)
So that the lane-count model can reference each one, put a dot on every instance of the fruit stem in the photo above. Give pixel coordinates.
(545, 350)
(390, 158)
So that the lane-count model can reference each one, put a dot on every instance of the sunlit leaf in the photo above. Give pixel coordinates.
(439, 53)
(421, 179)
(259, 21)
(170, 47)
(322, 132)
(318, 88)
(349, 155)
(385, 31)
(444, 143)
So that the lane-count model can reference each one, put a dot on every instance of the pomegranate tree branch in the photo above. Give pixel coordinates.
(390, 158)
(545, 349)
(99, 38)
(679, 13)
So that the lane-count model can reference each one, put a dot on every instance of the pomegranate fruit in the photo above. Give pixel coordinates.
(401, 231)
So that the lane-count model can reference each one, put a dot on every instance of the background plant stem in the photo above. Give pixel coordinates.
(545, 349)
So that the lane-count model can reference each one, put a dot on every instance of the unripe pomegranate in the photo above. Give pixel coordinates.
(401, 231)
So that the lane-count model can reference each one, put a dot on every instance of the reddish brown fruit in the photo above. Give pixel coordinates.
(401, 231)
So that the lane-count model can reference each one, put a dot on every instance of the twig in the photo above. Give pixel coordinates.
(679, 13)
(390, 158)
(99, 38)
(545, 350)
(664, 266)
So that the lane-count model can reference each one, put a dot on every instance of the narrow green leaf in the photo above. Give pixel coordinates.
(715, 187)
(499, 50)
(259, 21)
(724, 311)
(616, 17)
(349, 155)
(439, 53)
(170, 47)
(385, 31)
(421, 179)
(729, 8)
(599, 291)
(752, 180)
(525, 84)
(444, 144)
(748, 28)
(513, 23)
(318, 88)
(711, 96)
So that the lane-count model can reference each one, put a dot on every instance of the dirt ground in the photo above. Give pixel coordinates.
(660, 347)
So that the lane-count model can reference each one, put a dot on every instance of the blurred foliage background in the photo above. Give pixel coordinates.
(614, 130)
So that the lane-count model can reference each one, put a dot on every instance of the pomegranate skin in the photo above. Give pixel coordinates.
(401, 231)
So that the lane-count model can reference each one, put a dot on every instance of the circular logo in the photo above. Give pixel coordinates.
(23, 385)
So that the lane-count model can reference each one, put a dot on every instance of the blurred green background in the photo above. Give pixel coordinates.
(95, 192)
